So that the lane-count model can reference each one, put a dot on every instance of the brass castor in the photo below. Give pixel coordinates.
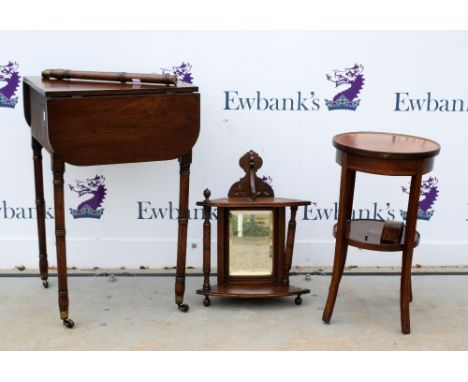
(206, 301)
(68, 322)
(183, 308)
(45, 283)
(298, 300)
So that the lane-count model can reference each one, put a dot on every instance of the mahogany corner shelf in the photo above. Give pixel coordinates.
(254, 250)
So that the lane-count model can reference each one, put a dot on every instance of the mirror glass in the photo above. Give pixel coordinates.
(250, 243)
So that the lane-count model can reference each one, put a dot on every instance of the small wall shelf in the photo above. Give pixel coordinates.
(254, 250)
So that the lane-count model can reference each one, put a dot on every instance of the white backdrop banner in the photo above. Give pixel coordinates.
(282, 94)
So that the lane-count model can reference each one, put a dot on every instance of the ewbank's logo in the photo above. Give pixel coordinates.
(96, 191)
(9, 83)
(350, 81)
(353, 79)
(429, 193)
(183, 72)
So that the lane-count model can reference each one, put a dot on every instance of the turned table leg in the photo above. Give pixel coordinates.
(410, 232)
(341, 246)
(206, 248)
(184, 163)
(289, 246)
(40, 208)
(58, 169)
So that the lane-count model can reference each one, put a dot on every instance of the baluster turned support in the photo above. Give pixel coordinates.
(206, 248)
(289, 246)
(206, 243)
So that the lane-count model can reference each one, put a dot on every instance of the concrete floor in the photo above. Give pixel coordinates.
(138, 313)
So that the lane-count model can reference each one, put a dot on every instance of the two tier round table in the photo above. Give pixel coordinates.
(383, 154)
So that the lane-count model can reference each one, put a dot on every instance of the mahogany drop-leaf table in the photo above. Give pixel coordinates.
(86, 123)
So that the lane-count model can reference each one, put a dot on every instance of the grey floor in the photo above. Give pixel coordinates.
(138, 313)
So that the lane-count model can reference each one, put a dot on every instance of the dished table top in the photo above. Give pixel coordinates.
(386, 145)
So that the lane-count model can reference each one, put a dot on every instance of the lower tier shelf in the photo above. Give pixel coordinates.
(366, 234)
(252, 291)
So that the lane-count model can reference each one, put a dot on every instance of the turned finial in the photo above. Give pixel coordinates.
(207, 194)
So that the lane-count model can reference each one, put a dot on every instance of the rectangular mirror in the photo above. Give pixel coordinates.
(250, 243)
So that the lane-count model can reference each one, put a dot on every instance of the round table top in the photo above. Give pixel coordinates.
(386, 145)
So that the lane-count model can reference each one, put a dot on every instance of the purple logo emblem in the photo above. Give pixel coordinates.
(9, 82)
(183, 72)
(94, 188)
(429, 193)
(353, 79)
